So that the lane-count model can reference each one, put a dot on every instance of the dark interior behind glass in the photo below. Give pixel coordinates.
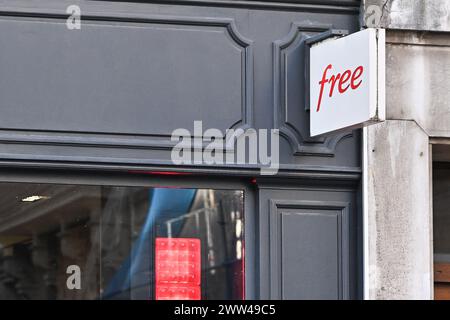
(109, 233)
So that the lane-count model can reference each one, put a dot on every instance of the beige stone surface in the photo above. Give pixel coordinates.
(398, 216)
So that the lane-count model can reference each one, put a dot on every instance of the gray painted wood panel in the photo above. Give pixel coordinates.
(118, 87)
(131, 78)
(107, 97)
(307, 246)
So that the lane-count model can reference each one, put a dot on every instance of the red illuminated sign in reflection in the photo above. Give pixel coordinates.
(177, 269)
(176, 292)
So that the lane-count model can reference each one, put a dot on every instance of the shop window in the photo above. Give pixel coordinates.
(441, 221)
(106, 242)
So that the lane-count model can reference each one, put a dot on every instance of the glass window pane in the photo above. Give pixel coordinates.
(107, 242)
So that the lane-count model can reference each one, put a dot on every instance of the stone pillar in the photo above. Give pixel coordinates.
(398, 213)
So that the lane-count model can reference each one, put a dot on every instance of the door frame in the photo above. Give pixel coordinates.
(433, 142)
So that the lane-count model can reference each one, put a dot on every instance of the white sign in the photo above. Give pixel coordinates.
(347, 79)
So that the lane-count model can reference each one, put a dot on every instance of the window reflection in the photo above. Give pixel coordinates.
(110, 232)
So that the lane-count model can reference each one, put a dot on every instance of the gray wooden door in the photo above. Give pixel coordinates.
(308, 248)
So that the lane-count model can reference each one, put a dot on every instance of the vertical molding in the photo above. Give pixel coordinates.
(365, 214)
(431, 216)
